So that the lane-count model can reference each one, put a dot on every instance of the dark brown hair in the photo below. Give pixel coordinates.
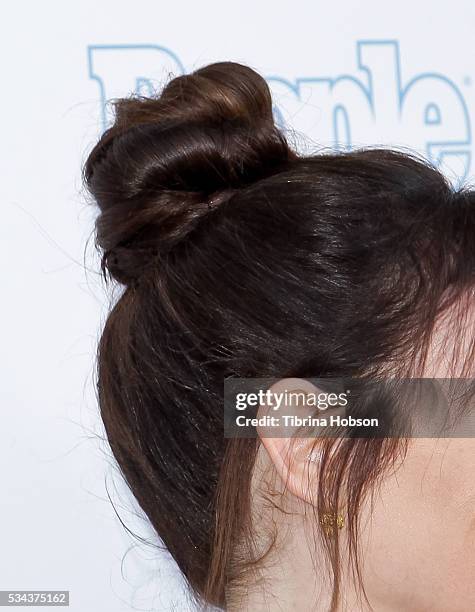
(240, 257)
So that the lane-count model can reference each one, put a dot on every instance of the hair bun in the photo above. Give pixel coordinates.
(154, 171)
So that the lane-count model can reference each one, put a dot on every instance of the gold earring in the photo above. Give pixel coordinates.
(331, 520)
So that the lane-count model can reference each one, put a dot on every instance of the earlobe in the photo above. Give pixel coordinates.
(296, 463)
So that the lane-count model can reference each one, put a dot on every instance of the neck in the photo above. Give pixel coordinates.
(283, 582)
(286, 577)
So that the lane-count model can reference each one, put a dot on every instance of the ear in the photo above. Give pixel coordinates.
(296, 459)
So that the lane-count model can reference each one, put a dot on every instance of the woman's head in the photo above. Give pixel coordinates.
(239, 257)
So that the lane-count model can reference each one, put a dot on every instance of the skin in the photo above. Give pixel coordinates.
(420, 542)
(417, 539)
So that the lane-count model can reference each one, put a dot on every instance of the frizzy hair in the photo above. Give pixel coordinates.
(240, 257)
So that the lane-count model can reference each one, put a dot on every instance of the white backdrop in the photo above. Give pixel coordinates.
(354, 72)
